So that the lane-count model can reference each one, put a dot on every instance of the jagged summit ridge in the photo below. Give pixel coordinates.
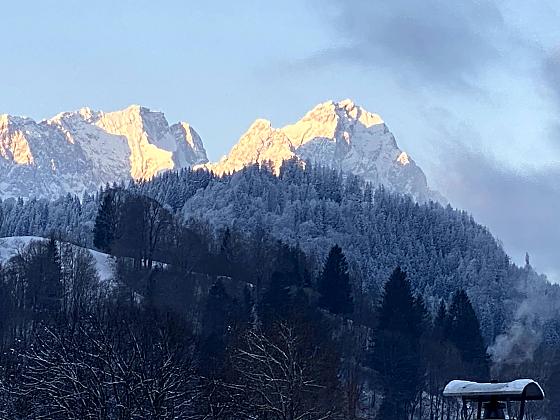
(81, 150)
(340, 134)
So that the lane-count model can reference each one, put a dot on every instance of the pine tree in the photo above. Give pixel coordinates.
(334, 284)
(216, 320)
(397, 344)
(552, 386)
(442, 360)
(44, 280)
(227, 246)
(463, 331)
(218, 309)
(421, 312)
(105, 222)
(276, 304)
(440, 320)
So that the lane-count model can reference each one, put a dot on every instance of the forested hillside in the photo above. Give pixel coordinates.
(314, 208)
(305, 295)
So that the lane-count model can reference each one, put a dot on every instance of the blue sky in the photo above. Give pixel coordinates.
(470, 89)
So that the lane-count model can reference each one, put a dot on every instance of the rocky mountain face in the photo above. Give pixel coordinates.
(80, 151)
(337, 134)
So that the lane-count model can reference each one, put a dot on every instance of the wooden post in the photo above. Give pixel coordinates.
(521, 410)
(479, 410)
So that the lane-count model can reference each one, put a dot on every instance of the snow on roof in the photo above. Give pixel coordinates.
(526, 389)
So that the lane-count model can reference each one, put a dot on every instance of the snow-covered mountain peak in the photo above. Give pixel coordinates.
(134, 108)
(14, 144)
(355, 112)
(81, 150)
(87, 113)
(62, 119)
(4, 120)
(342, 110)
(339, 134)
(13, 121)
(260, 124)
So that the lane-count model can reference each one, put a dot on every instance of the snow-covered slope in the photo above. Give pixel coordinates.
(79, 151)
(11, 246)
(338, 134)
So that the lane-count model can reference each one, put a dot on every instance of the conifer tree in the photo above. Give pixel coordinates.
(334, 284)
(105, 222)
(441, 361)
(463, 331)
(52, 286)
(421, 313)
(43, 277)
(552, 385)
(218, 309)
(440, 320)
(276, 303)
(227, 246)
(396, 351)
(216, 319)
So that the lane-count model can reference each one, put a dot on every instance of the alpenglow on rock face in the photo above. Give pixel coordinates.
(80, 151)
(337, 134)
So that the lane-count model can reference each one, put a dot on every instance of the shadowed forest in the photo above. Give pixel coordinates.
(250, 296)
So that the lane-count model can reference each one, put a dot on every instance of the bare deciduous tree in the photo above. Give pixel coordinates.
(98, 373)
(277, 379)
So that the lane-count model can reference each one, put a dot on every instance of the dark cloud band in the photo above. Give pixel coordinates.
(440, 42)
(521, 207)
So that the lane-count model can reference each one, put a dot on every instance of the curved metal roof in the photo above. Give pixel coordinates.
(520, 389)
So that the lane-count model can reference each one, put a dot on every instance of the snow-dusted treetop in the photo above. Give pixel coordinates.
(338, 134)
(82, 150)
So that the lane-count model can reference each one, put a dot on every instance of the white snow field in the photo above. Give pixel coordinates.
(10, 247)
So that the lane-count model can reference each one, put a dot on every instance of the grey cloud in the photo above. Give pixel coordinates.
(521, 208)
(551, 70)
(554, 135)
(443, 42)
(551, 77)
